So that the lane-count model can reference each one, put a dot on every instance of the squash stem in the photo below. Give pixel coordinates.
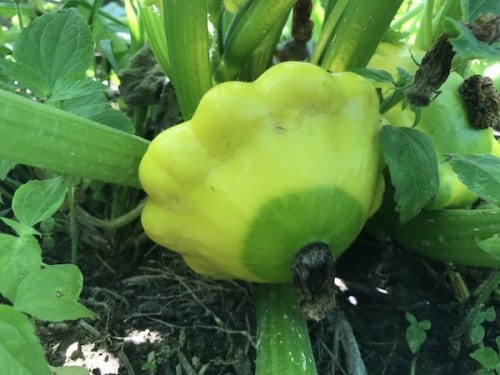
(283, 345)
(357, 33)
(37, 135)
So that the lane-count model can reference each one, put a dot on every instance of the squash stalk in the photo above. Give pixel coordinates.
(283, 345)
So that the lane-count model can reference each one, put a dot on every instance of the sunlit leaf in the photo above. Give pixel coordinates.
(480, 173)
(36, 200)
(20, 351)
(55, 45)
(18, 257)
(52, 294)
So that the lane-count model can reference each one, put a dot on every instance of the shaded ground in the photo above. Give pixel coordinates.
(162, 319)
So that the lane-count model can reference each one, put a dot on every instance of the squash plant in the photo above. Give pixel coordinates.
(272, 168)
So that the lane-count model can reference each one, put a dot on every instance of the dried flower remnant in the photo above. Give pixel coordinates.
(486, 28)
(482, 101)
(313, 274)
(432, 73)
(302, 28)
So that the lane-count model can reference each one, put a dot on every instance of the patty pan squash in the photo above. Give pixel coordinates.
(264, 169)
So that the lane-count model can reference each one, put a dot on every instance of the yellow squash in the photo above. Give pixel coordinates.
(264, 169)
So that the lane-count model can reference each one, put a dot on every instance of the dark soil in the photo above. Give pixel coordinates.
(154, 316)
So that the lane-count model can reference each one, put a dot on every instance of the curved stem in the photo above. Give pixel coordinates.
(115, 223)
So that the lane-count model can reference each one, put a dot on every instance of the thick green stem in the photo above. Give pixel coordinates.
(262, 56)
(449, 235)
(41, 136)
(358, 33)
(424, 38)
(331, 22)
(248, 28)
(152, 22)
(283, 345)
(187, 38)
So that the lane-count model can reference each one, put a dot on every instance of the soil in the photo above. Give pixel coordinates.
(154, 316)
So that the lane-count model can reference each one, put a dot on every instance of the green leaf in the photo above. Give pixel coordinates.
(52, 293)
(466, 44)
(413, 167)
(415, 337)
(70, 86)
(489, 314)
(55, 45)
(18, 257)
(475, 8)
(476, 333)
(36, 201)
(424, 325)
(20, 351)
(26, 76)
(415, 333)
(403, 82)
(114, 119)
(487, 357)
(377, 75)
(491, 246)
(5, 168)
(480, 173)
(21, 229)
(85, 106)
(411, 318)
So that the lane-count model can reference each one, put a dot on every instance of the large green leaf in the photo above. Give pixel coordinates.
(20, 350)
(55, 45)
(413, 167)
(52, 294)
(480, 173)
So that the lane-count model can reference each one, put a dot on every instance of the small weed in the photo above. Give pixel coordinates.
(415, 337)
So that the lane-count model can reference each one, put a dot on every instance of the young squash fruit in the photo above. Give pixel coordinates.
(445, 120)
(447, 124)
(264, 169)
